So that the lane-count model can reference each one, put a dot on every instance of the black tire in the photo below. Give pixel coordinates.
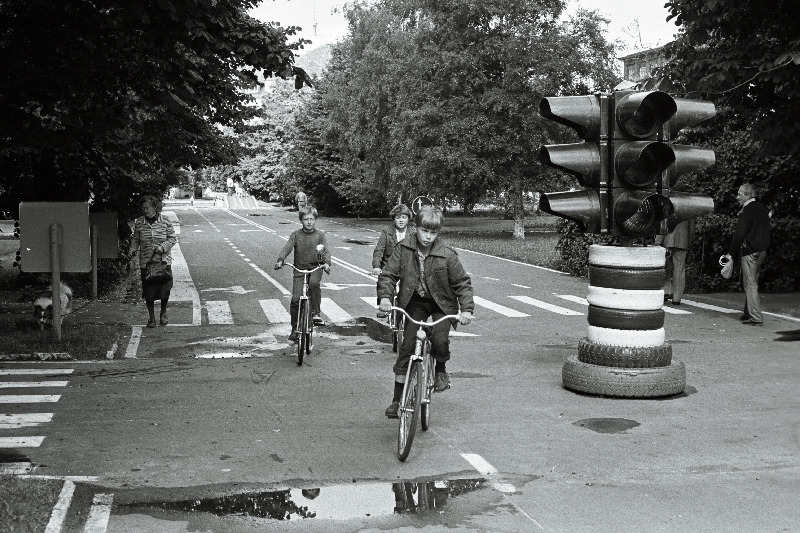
(394, 341)
(409, 411)
(623, 357)
(310, 343)
(401, 328)
(302, 339)
(624, 382)
(427, 399)
(626, 278)
(603, 317)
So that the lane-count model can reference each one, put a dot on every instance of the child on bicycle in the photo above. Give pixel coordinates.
(390, 236)
(304, 243)
(432, 284)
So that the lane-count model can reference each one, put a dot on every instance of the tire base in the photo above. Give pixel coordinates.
(624, 382)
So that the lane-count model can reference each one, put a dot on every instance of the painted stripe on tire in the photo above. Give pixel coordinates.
(641, 300)
(627, 278)
(627, 256)
(627, 337)
(604, 317)
(624, 382)
(624, 356)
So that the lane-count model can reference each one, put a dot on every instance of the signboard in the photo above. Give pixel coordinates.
(35, 219)
(107, 234)
(419, 202)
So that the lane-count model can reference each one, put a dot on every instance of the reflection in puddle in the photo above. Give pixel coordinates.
(338, 502)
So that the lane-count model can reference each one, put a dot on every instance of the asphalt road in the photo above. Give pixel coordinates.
(215, 405)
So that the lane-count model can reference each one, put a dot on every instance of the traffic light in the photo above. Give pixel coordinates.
(628, 160)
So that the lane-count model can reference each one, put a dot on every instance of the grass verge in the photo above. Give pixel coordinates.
(22, 338)
(26, 504)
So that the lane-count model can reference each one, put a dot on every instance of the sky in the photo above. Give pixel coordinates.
(331, 24)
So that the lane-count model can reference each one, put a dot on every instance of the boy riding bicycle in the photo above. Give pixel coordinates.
(432, 284)
(304, 243)
(389, 238)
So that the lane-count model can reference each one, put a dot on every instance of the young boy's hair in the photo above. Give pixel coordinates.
(430, 217)
(307, 210)
(400, 209)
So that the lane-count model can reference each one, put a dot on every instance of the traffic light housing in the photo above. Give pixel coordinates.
(627, 160)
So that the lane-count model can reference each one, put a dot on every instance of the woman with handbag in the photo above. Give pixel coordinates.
(153, 237)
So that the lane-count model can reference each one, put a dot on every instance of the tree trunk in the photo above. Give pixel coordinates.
(519, 213)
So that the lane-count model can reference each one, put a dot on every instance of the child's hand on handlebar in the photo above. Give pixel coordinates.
(278, 264)
(385, 305)
(327, 269)
(465, 318)
(376, 271)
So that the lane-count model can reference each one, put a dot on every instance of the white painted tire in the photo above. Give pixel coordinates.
(627, 256)
(628, 338)
(632, 299)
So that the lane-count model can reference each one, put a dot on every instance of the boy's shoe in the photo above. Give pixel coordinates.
(293, 337)
(151, 323)
(163, 319)
(442, 382)
(318, 320)
(391, 411)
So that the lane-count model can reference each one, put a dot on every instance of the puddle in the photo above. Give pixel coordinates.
(337, 502)
(607, 425)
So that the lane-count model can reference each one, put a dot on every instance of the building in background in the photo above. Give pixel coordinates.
(639, 65)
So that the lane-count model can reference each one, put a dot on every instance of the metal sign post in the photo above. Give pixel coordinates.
(55, 268)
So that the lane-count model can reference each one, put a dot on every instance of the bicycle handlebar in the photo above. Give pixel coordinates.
(426, 324)
(321, 265)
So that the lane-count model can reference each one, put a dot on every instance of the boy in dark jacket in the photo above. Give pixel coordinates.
(310, 249)
(432, 284)
(389, 238)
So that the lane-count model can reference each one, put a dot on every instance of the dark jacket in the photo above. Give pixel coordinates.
(752, 230)
(447, 281)
(386, 243)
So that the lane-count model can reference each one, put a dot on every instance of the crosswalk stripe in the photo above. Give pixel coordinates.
(370, 301)
(21, 384)
(21, 442)
(275, 312)
(36, 371)
(24, 420)
(219, 311)
(546, 306)
(334, 313)
(59, 513)
(583, 301)
(100, 512)
(710, 307)
(30, 398)
(16, 469)
(497, 308)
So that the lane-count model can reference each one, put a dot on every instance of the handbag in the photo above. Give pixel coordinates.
(727, 267)
(157, 272)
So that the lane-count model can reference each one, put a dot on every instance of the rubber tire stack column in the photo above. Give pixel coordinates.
(624, 353)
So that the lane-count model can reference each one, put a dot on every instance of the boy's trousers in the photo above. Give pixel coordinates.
(314, 294)
(420, 309)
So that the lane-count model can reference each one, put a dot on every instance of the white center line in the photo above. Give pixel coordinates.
(59, 513)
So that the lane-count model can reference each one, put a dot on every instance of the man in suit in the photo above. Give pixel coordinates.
(751, 239)
(677, 244)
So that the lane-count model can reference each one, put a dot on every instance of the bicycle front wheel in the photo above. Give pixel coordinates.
(409, 411)
(302, 331)
(427, 396)
(400, 321)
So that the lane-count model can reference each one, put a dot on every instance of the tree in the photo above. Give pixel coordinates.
(107, 99)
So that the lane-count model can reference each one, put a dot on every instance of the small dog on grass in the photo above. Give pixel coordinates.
(43, 306)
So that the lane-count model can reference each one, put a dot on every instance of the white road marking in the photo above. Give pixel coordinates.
(520, 286)
(710, 307)
(343, 247)
(479, 463)
(133, 343)
(24, 420)
(370, 301)
(20, 442)
(334, 313)
(546, 306)
(219, 312)
(24, 384)
(275, 312)
(512, 261)
(16, 469)
(36, 371)
(183, 288)
(30, 398)
(497, 308)
(272, 280)
(673, 311)
(235, 289)
(209, 222)
(793, 319)
(353, 268)
(584, 301)
(97, 522)
(59, 513)
(491, 279)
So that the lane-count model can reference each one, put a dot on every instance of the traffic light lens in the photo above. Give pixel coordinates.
(641, 163)
(640, 115)
(640, 213)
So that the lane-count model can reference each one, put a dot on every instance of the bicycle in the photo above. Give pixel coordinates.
(397, 325)
(415, 403)
(305, 325)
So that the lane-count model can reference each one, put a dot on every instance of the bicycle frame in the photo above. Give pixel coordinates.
(304, 326)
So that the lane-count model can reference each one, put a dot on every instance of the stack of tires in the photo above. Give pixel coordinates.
(624, 353)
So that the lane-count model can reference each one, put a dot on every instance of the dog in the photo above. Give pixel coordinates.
(43, 306)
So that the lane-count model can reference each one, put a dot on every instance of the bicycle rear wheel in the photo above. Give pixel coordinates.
(400, 321)
(302, 331)
(310, 342)
(409, 411)
(427, 394)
